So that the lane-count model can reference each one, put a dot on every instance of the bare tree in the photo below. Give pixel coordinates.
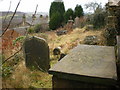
(93, 6)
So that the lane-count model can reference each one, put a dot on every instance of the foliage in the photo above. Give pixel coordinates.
(57, 7)
(31, 30)
(78, 11)
(6, 70)
(98, 20)
(35, 29)
(89, 19)
(110, 35)
(8, 67)
(55, 21)
(19, 39)
(69, 13)
(56, 12)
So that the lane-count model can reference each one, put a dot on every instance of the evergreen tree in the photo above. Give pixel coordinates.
(78, 11)
(69, 13)
(57, 7)
(56, 13)
(55, 21)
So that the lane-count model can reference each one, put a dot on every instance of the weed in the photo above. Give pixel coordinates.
(6, 70)
(19, 39)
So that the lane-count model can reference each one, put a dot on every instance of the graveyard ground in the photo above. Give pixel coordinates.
(16, 75)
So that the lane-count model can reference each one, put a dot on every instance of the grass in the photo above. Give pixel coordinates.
(22, 77)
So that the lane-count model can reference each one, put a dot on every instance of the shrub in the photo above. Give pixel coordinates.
(8, 67)
(19, 39)
(31, 30)
(35, 29)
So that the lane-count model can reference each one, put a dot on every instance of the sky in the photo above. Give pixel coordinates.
(43, 5)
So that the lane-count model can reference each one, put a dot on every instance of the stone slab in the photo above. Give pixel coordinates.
(89, 63)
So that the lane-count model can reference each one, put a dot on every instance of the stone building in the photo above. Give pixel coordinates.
(113, 21)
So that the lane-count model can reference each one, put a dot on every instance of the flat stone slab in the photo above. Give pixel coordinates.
(88, 63)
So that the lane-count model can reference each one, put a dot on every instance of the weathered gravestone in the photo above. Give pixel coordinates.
(36, 52)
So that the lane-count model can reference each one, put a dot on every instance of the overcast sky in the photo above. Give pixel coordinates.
(43, 5)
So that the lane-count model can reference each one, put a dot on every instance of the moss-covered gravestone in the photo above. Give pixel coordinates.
(36, 52)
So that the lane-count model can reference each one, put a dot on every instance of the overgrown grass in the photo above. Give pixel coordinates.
(22, 77)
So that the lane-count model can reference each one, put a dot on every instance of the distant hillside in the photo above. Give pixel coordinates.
(11, 13)
(21, 13)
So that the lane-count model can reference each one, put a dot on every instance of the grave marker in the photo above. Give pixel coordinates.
(36, 51)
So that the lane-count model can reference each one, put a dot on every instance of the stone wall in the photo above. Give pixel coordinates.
(113, 23)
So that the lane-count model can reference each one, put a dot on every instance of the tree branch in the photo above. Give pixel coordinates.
(11, 19)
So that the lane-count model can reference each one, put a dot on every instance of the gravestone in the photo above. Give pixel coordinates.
(77, 22)
(36, 51)
(86, 66)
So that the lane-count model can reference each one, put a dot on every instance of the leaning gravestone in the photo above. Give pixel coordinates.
(36, 51)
